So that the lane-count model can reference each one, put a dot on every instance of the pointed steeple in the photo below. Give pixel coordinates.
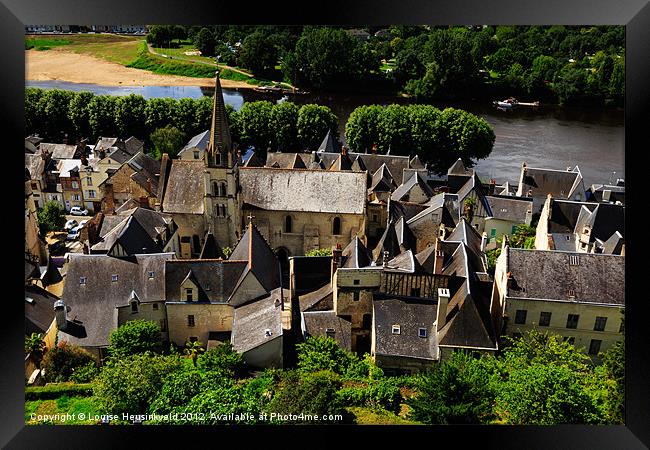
(220, 140)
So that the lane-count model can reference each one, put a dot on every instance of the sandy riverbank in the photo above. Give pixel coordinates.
(76, 68)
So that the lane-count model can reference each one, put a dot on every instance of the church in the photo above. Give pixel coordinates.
(209, 191)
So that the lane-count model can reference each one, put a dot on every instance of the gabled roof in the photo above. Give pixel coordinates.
(604, 220)
(200, 142)
(372, 161)
(329, 144)
(254, 248)
(403, 192)
(150, 221)
(405, 236)
(211, 248)
(131, 236)
(446, 205)
(117, 155)
(341, 163)
(415, 163)
(318, 300)
(39, 309)
(397, 209)
(512, 209)
(458, 168)
(59, 151)
(318, 323)
(66, 166)
(382, 180)
(559, 183)
(410, 315)
(404, 262)
(539, 274)
(614, 244)
(258, 322)
(303, 190)
(133, 145)
(426, 258)
(93, 303)
(564, 215)
(356, 255)
(358, 165)
(388, 242)
(468, 235)
(185, 188)
(146, 172)
(281, 160)
(35, 165)
(215, 279)
(474, 184)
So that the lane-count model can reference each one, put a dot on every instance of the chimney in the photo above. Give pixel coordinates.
(344, 150)
(438, 261)
(374, 148)
(61, 315)
(442, 232)
(386, 256)
(484, 240)
(336, 259)
(443, 302)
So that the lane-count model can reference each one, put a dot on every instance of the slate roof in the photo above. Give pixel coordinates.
(388, 242)
(220, 138)
(251, 321)
(604, 220)
(447, 205)
(280, 160)
(564, 215)
(39, 309)
(539, 274)
(133, 145)
(36, 166)
(329, 144)
(93, 303)
(185, 188)
(128, 205)
(382, 180)
(131, 236)
(415, 163)
(252, 247)
(614, 244)
(404, 262)
(343, 162)
(458, 168)
(410, 315)
(316, 323)
(405, 236)
(373, 161)
(200, 142)
(397, 209)
(303, 190)
(118, 155)
(59, 151)
(356, 255)
(318, 300)
(426, 258)
(215, 279)
(474, 184)
(211, 248)
(468, 235)
(512, 209)
(65, 166)
(148, 219)
(105, 143)
(403, 192)
(146, 168)
(558, 183)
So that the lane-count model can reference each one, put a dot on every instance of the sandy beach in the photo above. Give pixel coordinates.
(77, 68)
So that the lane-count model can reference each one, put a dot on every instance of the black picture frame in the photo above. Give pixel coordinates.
(634, 14)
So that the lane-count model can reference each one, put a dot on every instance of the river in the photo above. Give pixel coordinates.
(547, 136)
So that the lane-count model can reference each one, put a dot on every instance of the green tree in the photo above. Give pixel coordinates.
(132, 383)
(362, 128)
(456, 391)
(160, 35)
(34, 116)
(612, 371)
(168, 140)
(323, 353)
(222, 359)
(135, 336)
(545, 395)
(129, 115)
(204, 42)
(51, 217)
(395, 130)
(101, 115)
(319, 252)
(159, 113)
(78, 113)
(35, 346)
(523, 237)
(255, 119)
(61, 362)
(314, 121)
(55, 104)
(284, 120)
(258, 54)
(193, 349)
(177, 391)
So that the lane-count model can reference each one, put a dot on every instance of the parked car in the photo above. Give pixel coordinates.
(70, 224)
(73, 235)
(77, 211)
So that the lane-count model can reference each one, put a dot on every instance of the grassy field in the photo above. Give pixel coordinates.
(75, 406)
(113, 48)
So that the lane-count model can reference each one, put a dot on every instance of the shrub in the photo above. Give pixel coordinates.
(222, 359)
(85, 374)
(55, 390)
(381, 394)
(61, 362)
(323, 353)
(136, 336)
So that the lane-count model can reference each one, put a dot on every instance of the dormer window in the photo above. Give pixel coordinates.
(82, 280)
(151, 274)
(396, 329)
(574, 260)
(196, 154)
(267, 333)
(134, 306)
(113, 278)
(585, 231)
(189, 294)
(422, 332)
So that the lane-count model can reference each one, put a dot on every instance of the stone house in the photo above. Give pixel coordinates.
(580, 296)
(136, 179)
(561, 184)
(508, 212)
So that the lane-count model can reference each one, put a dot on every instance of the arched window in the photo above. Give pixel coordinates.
(336, 226)
(215, 188)
(288, 225)
(222, 189)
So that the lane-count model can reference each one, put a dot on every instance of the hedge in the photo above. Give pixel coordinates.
(55, 390)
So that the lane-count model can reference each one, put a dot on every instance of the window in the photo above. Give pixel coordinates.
(574, 260)
(190, 321)
(375, 218)
(356, 282)
(355, 296)
(336, 226)
(196, 154)
(330, 332)
(217, 159)
(134, 307)
(544, 319)
(155, 306)
(572, 321)
(91, 194)
(196, 243)
(82, 280)
(189, 294)
(571, 293)
(594, 346)
(367, 321)
(396, 329)
(222, 190)
(75, 185)
(287, 224)
(520, 316)
(585, 231)
(75, 197)
(422, 332)
(89, 181)
(215, 188)
(114, 278)
(151, 274)
(35, 186)
(600, 323)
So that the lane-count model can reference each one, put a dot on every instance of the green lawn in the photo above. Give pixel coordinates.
(44, 44)
(75, 406)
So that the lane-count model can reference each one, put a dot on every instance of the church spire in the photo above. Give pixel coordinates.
(220, 140)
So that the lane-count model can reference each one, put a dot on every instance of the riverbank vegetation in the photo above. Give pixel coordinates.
(535, 379)
(438, 137)
(582, 65)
